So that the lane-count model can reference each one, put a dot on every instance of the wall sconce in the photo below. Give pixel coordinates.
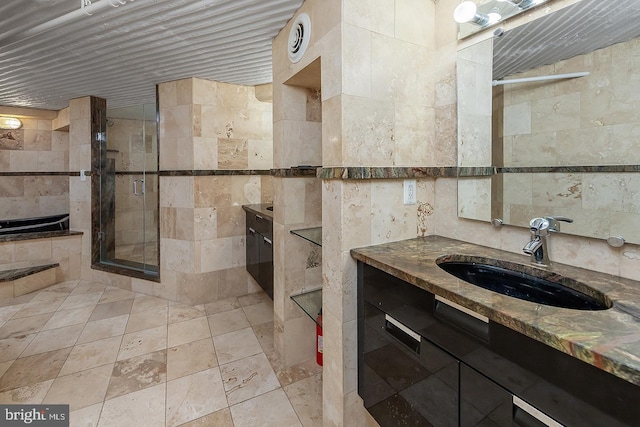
(10, 123)
(467, 11)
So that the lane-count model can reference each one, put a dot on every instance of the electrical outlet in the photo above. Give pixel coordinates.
(409, 188)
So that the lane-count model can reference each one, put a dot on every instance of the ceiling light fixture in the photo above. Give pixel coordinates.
(10, 123)
(467, 11)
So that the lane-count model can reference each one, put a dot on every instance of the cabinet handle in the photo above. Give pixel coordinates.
(402, 333)
(259, 217)
(469, 321)
(251, 230)
(529, 416)
(267, 240)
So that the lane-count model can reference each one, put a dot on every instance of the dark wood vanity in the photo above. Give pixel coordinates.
(259, 247)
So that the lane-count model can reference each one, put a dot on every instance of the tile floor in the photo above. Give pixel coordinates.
(119, 358)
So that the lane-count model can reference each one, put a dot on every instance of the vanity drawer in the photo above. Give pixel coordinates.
(260, 224)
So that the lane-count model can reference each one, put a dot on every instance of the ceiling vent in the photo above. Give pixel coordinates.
(299, 37)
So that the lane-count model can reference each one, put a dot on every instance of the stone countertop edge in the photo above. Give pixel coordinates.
(38, 235)
(607, 339)
(260, 209)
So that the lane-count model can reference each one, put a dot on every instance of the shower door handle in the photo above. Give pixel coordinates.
(135, 187)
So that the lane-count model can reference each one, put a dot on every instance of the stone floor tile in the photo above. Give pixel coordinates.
(53, 339)
(222, 305)
(221, 418)
(12, 348)
(147, 319)
(143, 342)
(236, 345)
(112, 309)
(306, 398)
(32, 394)
(24, 326)
(247, 378)
(81, 300)
(145, 302)
(85, 417)
(62, 318)
(228, 321)
(254, 298)
(138, 373)
(91, 355)
(259, 313)
(80, 389)
(194, 396)
(101, 329)
(141, 408)
(188, 331)
(182, 312)
(190, 358)
(270, 409)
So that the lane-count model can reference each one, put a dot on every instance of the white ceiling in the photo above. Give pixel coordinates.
(121, 53)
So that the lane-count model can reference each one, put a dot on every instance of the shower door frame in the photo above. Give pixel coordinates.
(98, 156)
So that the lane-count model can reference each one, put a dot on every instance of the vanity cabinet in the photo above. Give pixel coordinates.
(259, 250)
(424, 361)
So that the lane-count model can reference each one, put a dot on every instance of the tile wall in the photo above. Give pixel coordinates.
(224, 133)
(36, 147)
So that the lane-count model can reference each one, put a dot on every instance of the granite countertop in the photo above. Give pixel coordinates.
(260, 209)
(608, 339)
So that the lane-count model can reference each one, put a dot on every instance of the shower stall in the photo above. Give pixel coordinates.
(128, 233)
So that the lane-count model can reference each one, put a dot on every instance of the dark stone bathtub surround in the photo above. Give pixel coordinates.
(608, 339)
(38, 235)
(18, 273)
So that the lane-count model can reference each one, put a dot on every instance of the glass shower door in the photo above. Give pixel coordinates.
(129, 190)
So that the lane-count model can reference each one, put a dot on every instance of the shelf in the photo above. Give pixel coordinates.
(310, 302)
(313, 235)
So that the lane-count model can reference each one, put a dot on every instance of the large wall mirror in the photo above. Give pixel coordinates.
(532, 143)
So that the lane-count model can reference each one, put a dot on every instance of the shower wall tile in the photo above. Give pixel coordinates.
(205, 223)
(233, 153)
(260, 154)
(205, 154)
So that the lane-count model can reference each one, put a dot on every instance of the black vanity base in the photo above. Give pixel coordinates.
(425, 363)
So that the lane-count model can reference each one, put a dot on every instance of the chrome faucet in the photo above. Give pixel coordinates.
(540, 229)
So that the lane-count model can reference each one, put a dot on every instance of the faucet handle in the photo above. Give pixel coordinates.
(553, 222)
(539, 226)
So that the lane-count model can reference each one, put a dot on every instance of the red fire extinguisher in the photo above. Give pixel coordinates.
(319, 338)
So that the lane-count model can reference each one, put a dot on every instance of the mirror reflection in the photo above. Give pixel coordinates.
(566, 146)
(474, 16)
